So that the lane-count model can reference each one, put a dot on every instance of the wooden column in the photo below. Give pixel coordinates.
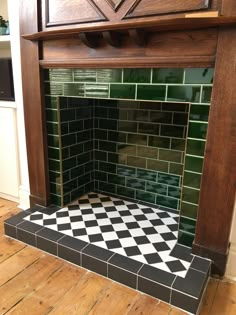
(34, 112)
(218, 187)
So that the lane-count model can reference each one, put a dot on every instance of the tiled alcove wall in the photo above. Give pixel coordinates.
(86, 111)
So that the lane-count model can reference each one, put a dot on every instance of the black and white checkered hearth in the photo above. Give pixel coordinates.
(145, 234)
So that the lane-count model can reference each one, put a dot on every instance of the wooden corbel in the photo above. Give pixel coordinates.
(88, 40)
(112, 38)
(138, 37)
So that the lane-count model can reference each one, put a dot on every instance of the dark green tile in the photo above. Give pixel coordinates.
(73, 89)
(178, 144)
(116, 179)
(76, 126)
(127, 149)
(46, 74)
(151, 92)
(100, 112)
(67, 115)
(107, 187)
(189, 210)
(192, 179)
(66, 176)
(60, 75)
(199, 112)
(145, 196)
(136, 161)
(100, 156)
(170, 155)
(196, 147)
(55, 200)
(77, 171)
(56, 189)
(52, 128)
(194, 164)
(138, 115)
(161, 117)
(149, 128)
(114, 113)
(156, 188)
(101, 176)
(54, 165)
(117, 158)
(206, 94)
(168, 75)
(54, 177)
(67, 140)
(175, 107)
(102, 135)
(190, 195)
(137, 75)
(126, 171)
(168, 179)
(187, 225)
(157, 165)
(67, 199)
(116, 136)
(146, 175)
(172, 131)
(137, 139)
(54, 153)
(180, 119)
(135, 183)
(51, 102)
(124, 91)
(184, 93)
(53, 141)
(185, 238)
(97, 90)
(175, 168)
(127, 126)
(197, 130)
(199, 75)
(65, 153)
(167, 202)
(53, 88)
(63, 102)
(107, 146)
(84, 75)
(109, 124)
(125, 191)
(150, 105)
(159, 142)
(68, 164)
(147, 152)
(174, 192)
(109, 75)
(107, 167)
(68, 186)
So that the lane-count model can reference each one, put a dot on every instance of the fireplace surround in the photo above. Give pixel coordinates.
(93, 34)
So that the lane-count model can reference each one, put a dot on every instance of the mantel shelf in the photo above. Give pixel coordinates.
(151, 25)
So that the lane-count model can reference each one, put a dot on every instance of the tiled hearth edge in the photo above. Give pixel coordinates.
(185, 293)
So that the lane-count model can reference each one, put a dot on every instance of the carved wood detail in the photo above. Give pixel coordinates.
(112, 38)
(139, 37)
(88, 39)
(115, 4)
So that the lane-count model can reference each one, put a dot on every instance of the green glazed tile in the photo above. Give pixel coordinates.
(147, 152)
(189, 210)
(147, 128)
(67, 199)
(175, 168)
(156, 188)
(53, 88)
(168, 75)
(199, 112)
(76, 126)
(137, 75)
(196, 147)
(170, 155)
(65, 153)
(156, 165)
(138, 115)
(127, 126)
(54, 165)
(159, 142)
(137, 139)
(197, 130)
(147, 175)
(136, 161)
(64, 126)
(168, 179)
(67, 115)
(52, 128)
(69, 163)
(190, 195)
(184, 94)
(161, 117)
(51, 102)
(194, 164)
(192, 179)
(187, 225)
(172, 131)
(54, 177)
(63, 102)
(109, 124)
(180, 119)
(117, 158)
(52, 115)
(125, 91)
(73, 89)
(55, 189)
(66, 176)
(167, 202)
(107, 146)
(114, 113)
(46, 74)
(68, 186)
(97, 90)
(206, 94)
(107, 187)
(199, 75)
(174, 192)
(150, 105)
(126, 171)
(100, 155)
(53, 141)
(60, 75)
(151, 92)
(125, 191)
(178, 144)
(116, 179)
(84, 75)
(54, 153)
(109, 75)
(185, 238)
(102, 135)
(101, 176)
(67, 140)
(126, 149)
(56, 200)
(145, 196)
(101, 112)
(135, 183)
(175, 107)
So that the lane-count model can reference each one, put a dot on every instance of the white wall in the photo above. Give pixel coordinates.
(3, 9)
(231, 265)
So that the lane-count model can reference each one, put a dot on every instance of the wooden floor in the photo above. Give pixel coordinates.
(34, 283)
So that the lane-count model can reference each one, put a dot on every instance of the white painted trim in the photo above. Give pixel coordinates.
(9, 197)
(24, 201)
(231, 265)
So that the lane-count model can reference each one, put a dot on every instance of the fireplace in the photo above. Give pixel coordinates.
(123, 92)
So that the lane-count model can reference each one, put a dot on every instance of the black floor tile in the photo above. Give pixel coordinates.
(125, 263)
(72, 243)
(10, 230)
(157, 275)
(18, 218)
(46, 240)
(154, 289)
(184, 302)
(26, 232)
(94, 264)
(201, 264)
(69, 254)
(97, 252)
(182, 252)
(122, 276)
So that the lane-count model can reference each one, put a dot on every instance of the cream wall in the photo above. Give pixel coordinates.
(3, 9)
(231, 266)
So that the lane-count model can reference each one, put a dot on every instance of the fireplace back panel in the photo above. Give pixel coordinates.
(111, 129)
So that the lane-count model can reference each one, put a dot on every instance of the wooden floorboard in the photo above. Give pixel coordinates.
(34, 282)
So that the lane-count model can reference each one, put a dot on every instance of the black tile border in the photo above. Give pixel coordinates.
(185, 293)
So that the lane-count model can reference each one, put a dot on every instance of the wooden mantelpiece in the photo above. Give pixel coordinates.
(191, 33)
